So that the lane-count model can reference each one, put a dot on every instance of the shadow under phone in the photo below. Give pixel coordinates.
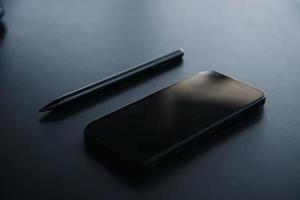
(142, 178)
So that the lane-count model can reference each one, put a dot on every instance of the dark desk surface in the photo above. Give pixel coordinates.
(49, 47)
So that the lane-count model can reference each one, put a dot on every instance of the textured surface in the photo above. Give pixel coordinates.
(48, 48)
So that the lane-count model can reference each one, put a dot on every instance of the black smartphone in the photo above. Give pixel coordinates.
(148, 130)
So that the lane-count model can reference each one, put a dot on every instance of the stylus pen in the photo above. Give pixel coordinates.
(114, 79)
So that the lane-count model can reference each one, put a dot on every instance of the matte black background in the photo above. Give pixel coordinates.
(49, 47)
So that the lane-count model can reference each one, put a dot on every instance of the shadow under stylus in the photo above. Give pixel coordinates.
(101, 95)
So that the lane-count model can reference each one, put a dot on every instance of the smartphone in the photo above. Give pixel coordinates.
(148, 130)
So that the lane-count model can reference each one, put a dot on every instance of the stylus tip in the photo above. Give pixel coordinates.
(43, 109)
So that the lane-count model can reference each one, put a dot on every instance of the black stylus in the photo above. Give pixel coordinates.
(116, 78)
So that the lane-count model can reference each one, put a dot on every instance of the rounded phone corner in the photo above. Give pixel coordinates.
(86, 130)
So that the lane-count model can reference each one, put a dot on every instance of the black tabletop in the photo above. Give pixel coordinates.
(50, 47)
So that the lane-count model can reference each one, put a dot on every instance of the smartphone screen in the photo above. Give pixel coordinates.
(167, 119)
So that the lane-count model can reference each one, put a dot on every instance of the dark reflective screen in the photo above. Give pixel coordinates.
(156, 123)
